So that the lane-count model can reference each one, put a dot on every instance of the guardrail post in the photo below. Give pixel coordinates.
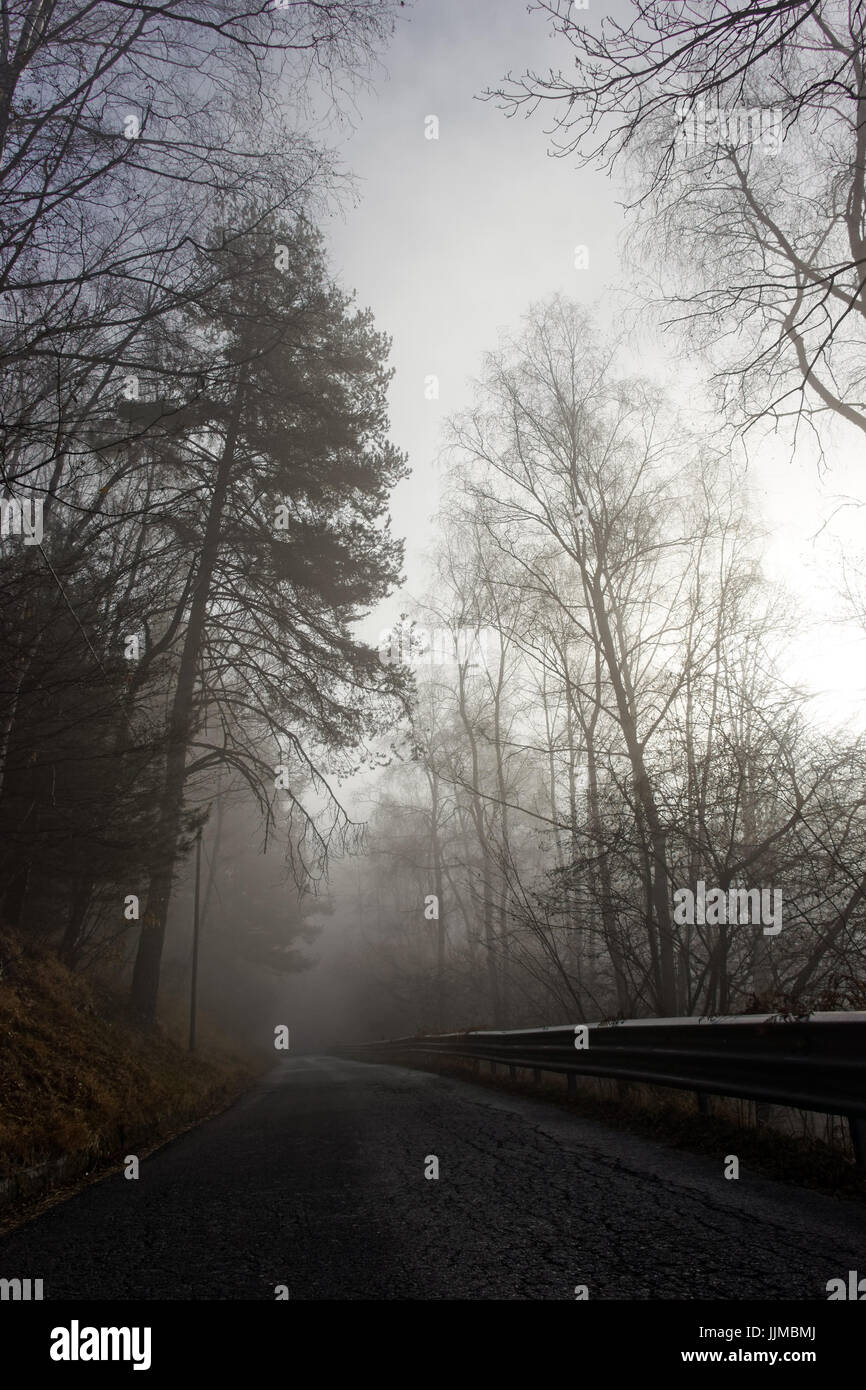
(857, 1126)
(832, 1082)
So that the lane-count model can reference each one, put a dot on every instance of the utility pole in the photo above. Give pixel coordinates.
(194, 981)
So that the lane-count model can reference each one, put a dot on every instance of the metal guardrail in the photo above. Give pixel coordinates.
(814, 1063)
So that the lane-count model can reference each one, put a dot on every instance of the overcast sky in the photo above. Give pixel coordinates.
(454, 237)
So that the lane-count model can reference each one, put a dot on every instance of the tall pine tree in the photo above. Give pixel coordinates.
(288, 471)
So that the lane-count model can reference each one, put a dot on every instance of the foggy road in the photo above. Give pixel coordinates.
(316, 1181)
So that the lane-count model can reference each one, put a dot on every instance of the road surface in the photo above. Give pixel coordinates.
(315, 1181)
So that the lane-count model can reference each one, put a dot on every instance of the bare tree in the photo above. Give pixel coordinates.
(744, 132)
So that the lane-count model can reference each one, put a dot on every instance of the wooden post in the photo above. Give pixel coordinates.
(194, 981)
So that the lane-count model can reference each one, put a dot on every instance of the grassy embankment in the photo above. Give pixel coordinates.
(81, 1087)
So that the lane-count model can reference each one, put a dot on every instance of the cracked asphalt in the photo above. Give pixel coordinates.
(315, 1180)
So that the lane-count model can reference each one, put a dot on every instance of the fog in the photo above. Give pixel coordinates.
(446, 534)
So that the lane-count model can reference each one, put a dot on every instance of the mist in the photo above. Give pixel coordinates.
(433, 614)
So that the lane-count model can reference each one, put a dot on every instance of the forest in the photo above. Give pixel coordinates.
(586, 719)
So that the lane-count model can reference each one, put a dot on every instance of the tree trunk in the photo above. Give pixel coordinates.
(145, 980)
(438, 888)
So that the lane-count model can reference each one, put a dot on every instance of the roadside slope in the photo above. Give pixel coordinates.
(80, 1087)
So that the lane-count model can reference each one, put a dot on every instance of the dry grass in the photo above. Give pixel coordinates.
(76, 1076)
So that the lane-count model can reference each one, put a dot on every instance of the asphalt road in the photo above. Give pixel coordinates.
(316, 1181)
